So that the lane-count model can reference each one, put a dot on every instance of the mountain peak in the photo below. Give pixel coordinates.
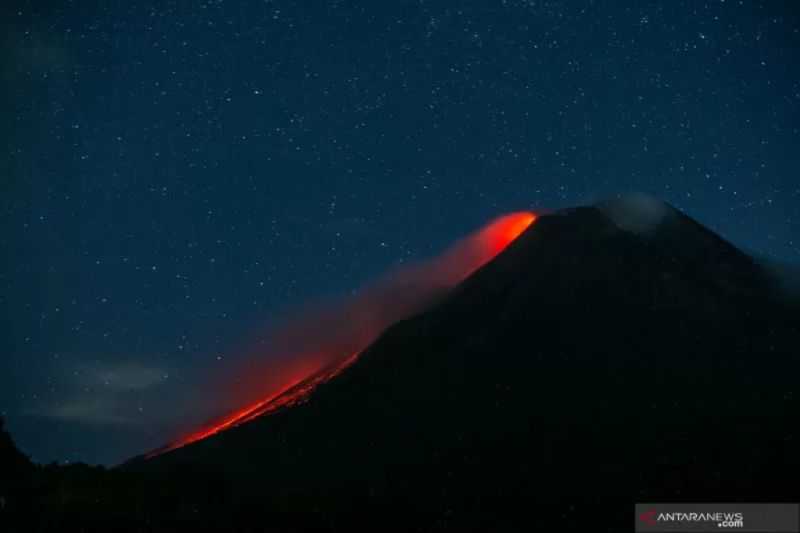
(637, 213)
(585, 358)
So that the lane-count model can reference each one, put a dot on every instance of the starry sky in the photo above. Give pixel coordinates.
(179, 175)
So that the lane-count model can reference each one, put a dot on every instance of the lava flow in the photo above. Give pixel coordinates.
(314, 349)
(293, 393)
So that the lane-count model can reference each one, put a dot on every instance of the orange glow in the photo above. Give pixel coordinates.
(293, 393)
(321, 345)
(505, 230)
(512, 227)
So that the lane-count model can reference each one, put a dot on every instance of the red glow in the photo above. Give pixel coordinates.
(294, 392)
(320, 345)
(507, 229)
(494, 237)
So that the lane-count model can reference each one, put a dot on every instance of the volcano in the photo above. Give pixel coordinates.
(611, 354)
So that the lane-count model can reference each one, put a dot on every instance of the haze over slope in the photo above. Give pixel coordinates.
(317, 345)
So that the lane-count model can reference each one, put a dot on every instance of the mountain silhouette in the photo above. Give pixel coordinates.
(612, 354)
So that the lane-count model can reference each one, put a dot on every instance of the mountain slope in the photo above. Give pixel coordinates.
(611, 354)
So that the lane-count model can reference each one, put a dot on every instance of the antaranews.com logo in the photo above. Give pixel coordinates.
(730, 520)
(763, 517)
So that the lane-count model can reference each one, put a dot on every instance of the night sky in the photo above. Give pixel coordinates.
(177, 176)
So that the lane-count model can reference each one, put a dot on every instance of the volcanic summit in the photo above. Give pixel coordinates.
(608, 354)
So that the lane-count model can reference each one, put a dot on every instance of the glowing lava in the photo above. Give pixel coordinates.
(494, 238)
(293, 393)
(318, 353)
(507, 229)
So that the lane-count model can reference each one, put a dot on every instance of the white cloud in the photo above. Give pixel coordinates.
(636, 213)
(115, 394)
(124, 376)
(86, 409)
